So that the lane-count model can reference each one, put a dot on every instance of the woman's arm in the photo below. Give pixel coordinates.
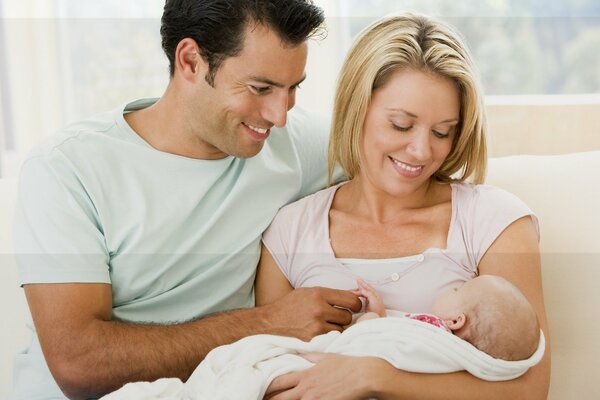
(515, 256)
(270, 283)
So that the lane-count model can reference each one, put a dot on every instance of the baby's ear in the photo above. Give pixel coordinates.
(457, 322)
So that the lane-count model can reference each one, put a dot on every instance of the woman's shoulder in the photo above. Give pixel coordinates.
(482, 213)
(299, 223)
(311, 204)
(468, 195)
(479, 206)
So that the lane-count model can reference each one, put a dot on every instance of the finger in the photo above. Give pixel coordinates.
(369, 295)
(292, 394)
(314, 358)
(283, 383)
(338, 316)
(364, 285)
(342, 298)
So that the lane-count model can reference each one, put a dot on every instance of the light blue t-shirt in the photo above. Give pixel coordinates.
(177, 238)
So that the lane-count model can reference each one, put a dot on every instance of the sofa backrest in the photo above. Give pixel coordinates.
(564, 192)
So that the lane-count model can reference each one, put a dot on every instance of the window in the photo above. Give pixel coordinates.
(69, 59)
(521, 47)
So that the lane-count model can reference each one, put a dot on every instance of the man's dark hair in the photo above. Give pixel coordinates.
(218, 26)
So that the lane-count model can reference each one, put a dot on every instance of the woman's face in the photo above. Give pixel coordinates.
(408, 131)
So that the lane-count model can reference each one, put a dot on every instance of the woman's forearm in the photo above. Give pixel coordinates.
(392, 384)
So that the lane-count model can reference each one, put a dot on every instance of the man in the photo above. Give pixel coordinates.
(138, 231)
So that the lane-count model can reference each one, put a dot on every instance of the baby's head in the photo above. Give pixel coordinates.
(493, 315)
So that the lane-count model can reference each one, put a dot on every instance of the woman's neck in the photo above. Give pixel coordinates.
(363, 199)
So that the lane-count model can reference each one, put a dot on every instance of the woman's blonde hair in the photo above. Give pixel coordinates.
(417, 42)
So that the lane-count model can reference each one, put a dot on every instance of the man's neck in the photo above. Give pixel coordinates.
(163, 125)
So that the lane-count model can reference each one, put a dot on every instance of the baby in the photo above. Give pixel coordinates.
(488, 311)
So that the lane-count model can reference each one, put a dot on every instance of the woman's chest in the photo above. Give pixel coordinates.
(352, 237)
(411, 285)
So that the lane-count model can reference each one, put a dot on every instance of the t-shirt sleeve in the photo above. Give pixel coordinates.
(58, 236)
(277, 239)
(492, 210)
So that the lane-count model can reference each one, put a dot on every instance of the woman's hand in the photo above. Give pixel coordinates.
(333, 377)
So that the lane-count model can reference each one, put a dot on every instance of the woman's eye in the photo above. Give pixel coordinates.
(441, 135)
(401, 128)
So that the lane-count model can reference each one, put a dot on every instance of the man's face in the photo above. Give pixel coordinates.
(252, 92)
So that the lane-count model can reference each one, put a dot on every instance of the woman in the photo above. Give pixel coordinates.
(408, 131)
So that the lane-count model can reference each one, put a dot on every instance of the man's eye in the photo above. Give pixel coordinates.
(259, 89)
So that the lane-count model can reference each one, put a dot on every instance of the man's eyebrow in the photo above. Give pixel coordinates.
(273, 83)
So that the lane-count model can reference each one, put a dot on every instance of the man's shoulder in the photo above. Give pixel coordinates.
(74, 132)
(90, 136)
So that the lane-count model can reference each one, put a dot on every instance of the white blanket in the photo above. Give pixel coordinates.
(243, 370)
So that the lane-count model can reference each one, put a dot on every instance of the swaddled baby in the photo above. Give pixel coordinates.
(488, 311)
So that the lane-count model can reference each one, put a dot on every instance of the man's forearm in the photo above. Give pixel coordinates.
(111, 353)
(89, 354)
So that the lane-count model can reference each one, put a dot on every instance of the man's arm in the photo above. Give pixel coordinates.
(90, 355)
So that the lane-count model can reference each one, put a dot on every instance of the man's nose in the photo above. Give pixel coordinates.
(277, 107)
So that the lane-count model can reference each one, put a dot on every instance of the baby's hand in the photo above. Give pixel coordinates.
(373, 301)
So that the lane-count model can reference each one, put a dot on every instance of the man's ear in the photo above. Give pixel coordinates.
(457, 322)
(188, 60)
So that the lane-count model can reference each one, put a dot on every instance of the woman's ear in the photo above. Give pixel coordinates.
(189, 63)
(457, 322)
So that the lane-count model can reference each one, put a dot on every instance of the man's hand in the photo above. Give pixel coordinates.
(307, 312)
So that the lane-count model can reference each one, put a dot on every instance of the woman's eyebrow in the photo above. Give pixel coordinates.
(394, 109)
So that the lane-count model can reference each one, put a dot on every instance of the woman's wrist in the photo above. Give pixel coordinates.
(380, 378)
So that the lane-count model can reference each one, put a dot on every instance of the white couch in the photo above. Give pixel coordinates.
(563, 190)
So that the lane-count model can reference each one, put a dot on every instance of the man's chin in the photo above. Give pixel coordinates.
(248, 151)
